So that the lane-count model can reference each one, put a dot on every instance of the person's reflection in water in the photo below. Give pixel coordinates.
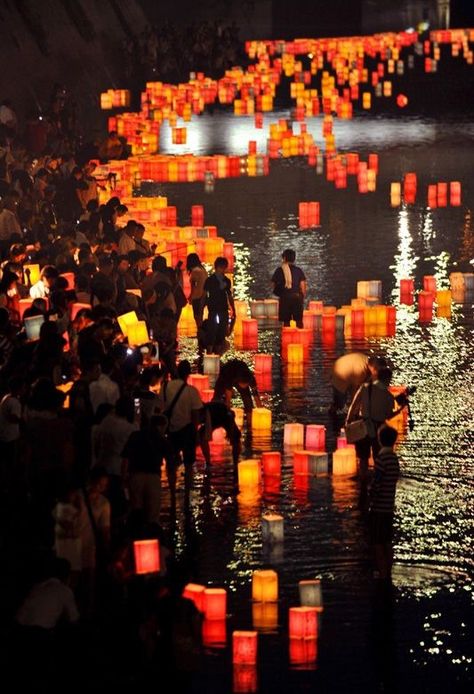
(383, 638)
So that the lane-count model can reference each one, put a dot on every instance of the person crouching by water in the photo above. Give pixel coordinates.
(289, 284)
(382, 503)
(235, 374)
(374, 403)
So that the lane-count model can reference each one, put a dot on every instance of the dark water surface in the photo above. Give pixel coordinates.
(420, 640)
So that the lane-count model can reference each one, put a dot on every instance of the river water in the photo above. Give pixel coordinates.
(420, 639)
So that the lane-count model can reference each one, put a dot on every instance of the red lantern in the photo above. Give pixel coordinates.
(195, 592)
(402, 100)
(409, 188)
(147, 556)
(442, 190)
(432, 196)
(303, 622)
(197, 215)
(271, 463)
(406, 291)
(429, 284)
(244, 647)
(215, 603)
(455, 193)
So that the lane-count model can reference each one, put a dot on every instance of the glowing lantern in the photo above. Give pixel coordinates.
(265, 615)
(402, 100)
(244, 679)
(425, 301)
(328, 322)
(249, 329)
(33, 327)
(126, 320)
(303, 623)
(366, 100)
(261, 419)
(23, 305)
(429, 284)
(395, 194)
(315, 437)
(147, 556)
(211, 364)
(442, 194)
(197, 215)
(293, 434)
(271, 463)
(32, 273)
(407, 287)
(432, 196)
(214, 632)
(265, 585)
(195, 592)
(199, 381)
(310, 593)
(249, 473)
(455, 193)
(215, 603)
(409, 188)
(295, 354)
(244, 647)
(138, 334)
(272, 528)
(263, 363)
(344, 461)
(241, 309)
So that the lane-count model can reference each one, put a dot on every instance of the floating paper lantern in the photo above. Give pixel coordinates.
(308, 213)
(293, 434)
(265, 615)
(147, 556)
(442, 194)
(249, 473)
(214, 632)
(407, 287)
(263, 363)
(271, 463)
(261, 419)
(272, 527)
(425, 302)
(34, 273)
(455, 193)
(244, 679)
(300, 462)
(395, 194)
(315, 439)
(429, 284)
(433, 196)
(195, 592)
(303, 623)
(211, 364)
(344, 461)
(409, 188)
(366, 100)
(215, 603)
(199, 381)
(244, 647)
(310, 593)
(265, 585)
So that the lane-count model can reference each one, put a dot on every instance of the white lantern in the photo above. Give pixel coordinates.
(310, 593)
(272, 528)
(211, 364)
(293, 434)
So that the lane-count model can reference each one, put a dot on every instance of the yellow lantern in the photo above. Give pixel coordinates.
(138, 334)
(34, 273)
(249, 473)
(265, 615)
(265, 585)
(126, 320)
(261, 419)
(344, 461)
(295, 353)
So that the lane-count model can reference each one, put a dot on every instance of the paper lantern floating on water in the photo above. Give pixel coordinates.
(265, 585)
(271, 463)
(344, 461)
(303, 622)
(147, 556)
(211, 364)
(244, 647)
(215, 603)
(261, 419)
(195, 592)
(395, 194)
(272, 528)
(295, 354)
(315, 439)
(407, 288)
(308, 214)
(265, 615)
(249, 473)
(432, 196)
(442, 194)
(425, 306)
(293, 434)
(214, 633)
(455, 193)
(244, 680)
(310, 593)
(309, 462)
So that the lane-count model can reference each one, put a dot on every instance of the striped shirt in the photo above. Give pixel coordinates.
(387, 472)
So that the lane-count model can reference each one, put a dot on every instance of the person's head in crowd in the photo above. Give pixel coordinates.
(158, 264)
(374, 364)
(84, 256)
(385, 375)
(39, 307)
(45, 397)
(130, 227)
(92, 206)
(124, 407)
(89, 167)
(123, 264)
(192, 261)
(150, 377)
(82, 319)
(49, 275)
(288, 255)
(387, 436)
(106, 264)
(220, 265)
(113, 202)
(77, 173)
(17, 253)
(58, 301)
(184, 369)
(98, 480)
(104, 329)
(121, 210)
(42, 174)
(139, 231)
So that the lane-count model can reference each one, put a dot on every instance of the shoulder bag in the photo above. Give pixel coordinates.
(357, 429)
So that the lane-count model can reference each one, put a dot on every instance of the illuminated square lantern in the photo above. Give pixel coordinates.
(257, 308)
(303, 622)
(261, 419)
(315, 439)
(293, 434)
(249, 329)
(33, 327)
(207, 395)
(126, 320)
(214, 633)
(199, 381)
(138, 334)
(32, 273)
(303, 651)
(271, 308)
(195, 592)
(295, 354)
(300, 462)
(147, 556)
(429, 284)
(244, 680)
(244, 647)
(211, 364)
(344, 461)
(23, 305)
(69, 277)
(310, 593)
(341, 441)
(265, 615)
(265, 585)
(263, 363)
(249, 473)
(215, 603)
(241, 309)
(272, 528)
(318, 463)
(271, 463)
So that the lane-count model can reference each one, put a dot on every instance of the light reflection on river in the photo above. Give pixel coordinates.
(361, 237)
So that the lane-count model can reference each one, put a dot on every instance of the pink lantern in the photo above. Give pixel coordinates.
(303, 622)
(315, 437)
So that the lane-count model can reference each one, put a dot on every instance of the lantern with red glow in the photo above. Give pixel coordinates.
(76, 307)
(244, 679)
(23, 305)
(425, 306)
(409, 188)
(271, 462)
(402, 100)
(395, 194)
(197, 215)
(147, 556)
(244, 647)
(429, 284)
(69, 277)
(259, 120)
(315, 437)
(455, 193)
(199, 381)
(407, 287)
(433, 196)
(303, 622)
(195, 592)
(215, 603)
(263, 363)
(442, 194)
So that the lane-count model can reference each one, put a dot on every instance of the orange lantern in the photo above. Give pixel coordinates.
(147, 556)
(215, 603)
(263, 363)
(265, 585)
(249, 473)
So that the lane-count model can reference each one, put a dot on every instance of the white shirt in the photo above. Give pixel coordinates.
(188, 401)
(40, 290)
(47, 604)
(104, 390)
(109, 441)
(9, 431)
(9, 225)
(126, 244)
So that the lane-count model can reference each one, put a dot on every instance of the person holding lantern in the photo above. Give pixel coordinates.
(236, 374)
(289, 284)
